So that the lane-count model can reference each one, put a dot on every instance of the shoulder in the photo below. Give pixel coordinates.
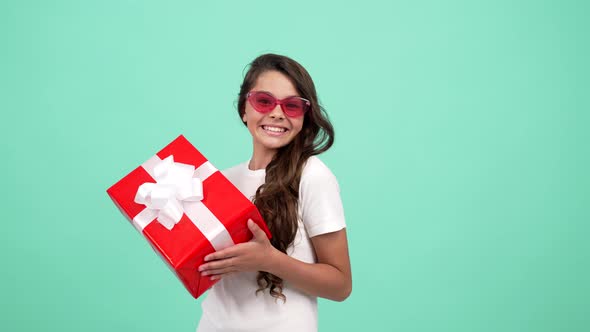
(316, 172)
(319, 198)
(316, 165)
(234, 171)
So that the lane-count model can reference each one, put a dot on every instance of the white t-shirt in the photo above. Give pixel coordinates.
(232, 305)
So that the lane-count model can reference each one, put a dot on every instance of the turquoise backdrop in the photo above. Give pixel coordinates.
(462, 151)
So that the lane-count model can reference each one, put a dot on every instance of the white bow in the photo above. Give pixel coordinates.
(175, 184)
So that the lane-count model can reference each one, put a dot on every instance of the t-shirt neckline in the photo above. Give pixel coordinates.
(255, 172)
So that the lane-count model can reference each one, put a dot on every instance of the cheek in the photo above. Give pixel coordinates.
(251, 118)
(252, 126)
(297, 126)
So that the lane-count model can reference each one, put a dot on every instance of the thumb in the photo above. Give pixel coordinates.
(256, 230)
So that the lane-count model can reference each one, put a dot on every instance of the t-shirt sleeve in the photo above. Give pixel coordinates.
(320, 202)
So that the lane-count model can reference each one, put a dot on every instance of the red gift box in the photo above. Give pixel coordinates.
(186, 209)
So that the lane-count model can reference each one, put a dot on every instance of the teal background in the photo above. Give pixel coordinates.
(461, 150)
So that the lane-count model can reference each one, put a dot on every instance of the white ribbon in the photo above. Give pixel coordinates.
(178, 190)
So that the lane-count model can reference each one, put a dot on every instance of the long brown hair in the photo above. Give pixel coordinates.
(277, 198)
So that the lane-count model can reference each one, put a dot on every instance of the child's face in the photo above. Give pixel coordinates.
(274, 129)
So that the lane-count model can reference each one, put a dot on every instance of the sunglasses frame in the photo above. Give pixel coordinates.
(279, 102)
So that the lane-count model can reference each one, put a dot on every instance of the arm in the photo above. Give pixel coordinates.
(330, 277)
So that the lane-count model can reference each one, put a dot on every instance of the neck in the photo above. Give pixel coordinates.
(261, 157)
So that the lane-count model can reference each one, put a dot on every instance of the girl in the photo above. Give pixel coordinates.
(273, 285)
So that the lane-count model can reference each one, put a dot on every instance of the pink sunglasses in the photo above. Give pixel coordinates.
(265, 102)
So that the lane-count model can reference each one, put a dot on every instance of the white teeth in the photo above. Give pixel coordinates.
(274, 129)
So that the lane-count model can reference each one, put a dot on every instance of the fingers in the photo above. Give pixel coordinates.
(217, 269)
(223, 254)
(218, 265)
(239, 257)
(256, 230)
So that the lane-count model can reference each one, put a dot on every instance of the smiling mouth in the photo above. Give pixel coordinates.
(274, 130)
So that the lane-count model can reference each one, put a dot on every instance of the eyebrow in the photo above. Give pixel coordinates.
(298, 96)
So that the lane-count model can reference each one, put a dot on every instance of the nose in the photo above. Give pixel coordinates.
(277, 113)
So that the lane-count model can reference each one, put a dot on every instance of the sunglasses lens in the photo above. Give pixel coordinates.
(294, 106)
(263, 102)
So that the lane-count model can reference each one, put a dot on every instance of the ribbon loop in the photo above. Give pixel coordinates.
(174, 185)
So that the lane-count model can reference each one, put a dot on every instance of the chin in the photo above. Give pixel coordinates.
(274, 144)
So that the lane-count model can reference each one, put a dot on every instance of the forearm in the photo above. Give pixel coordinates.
(315, 279)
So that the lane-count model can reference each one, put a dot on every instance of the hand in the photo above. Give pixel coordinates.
(255, 255)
